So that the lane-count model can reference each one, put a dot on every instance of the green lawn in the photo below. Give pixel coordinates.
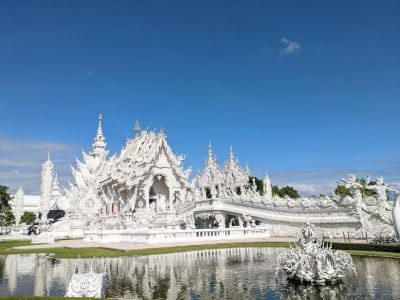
(373, 253)
(105, 252)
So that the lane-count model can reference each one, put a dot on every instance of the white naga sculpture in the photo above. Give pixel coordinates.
(314, 262)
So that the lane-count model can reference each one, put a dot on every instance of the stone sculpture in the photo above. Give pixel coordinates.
(396, 215)
(314, 262)
(84, 285)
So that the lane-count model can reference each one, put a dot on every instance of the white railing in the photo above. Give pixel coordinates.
(172, 236)
(267, 212)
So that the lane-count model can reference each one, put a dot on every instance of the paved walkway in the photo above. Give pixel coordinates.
(137, 246)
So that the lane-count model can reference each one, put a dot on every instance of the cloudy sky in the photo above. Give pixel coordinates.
(305, 92)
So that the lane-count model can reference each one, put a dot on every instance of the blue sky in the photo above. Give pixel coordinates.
(307, 91)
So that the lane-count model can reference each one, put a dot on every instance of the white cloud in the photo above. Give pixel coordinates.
(290, 46)
(309, 189)
(20, 163)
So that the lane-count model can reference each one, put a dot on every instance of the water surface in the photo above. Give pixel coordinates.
(238, 273)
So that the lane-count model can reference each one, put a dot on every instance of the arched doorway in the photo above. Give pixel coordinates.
(159, 195)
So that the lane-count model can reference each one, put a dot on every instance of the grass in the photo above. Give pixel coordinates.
(5, 248)
(373, 253)
(106, 252)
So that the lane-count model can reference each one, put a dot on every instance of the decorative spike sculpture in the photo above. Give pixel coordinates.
(313, 263)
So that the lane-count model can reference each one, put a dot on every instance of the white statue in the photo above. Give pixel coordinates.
(84, 285)
(396, 213)
(380, 189)
(314, 262)
(267, 188)
(355, 187)
(161, 205)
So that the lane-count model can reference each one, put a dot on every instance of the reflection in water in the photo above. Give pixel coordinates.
(239, 273)
(2, 266)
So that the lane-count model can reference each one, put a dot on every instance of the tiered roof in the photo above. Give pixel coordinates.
(141, 154)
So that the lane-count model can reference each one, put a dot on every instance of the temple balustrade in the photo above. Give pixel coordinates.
(153, 236)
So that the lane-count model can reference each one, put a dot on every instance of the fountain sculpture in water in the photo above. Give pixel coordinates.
(314, 262)
(89, 284)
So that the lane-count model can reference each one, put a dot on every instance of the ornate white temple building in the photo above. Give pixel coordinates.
(143, 194)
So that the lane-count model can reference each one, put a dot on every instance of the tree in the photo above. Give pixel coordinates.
(4, 196)
(28, 218)
(6, 216)
(342, 191)
(259, 183)
(289, 191)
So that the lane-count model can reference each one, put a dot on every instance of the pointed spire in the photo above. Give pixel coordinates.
(266, 177)
(210, 152)
(231, 156)
(162, 131)
(137, 127)
(99, 146)
(48, 155)
(100, 128)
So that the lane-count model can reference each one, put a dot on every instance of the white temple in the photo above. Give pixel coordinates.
(143, 194)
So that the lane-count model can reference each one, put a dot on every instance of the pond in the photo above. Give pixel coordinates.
(237, 273)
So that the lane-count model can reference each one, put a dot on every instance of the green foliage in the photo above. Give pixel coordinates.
(342, 191)
(4, 196)
(6, 216)
(28, 218)
(259, 183)
(289, 191)
(6, 248)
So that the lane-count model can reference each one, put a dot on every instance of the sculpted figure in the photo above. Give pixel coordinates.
(267, 188)
(314, 262)
(197, 194)
(354, 187)
(220, 219)
(161, 203)
(380, 189)
(396, 214)
(177, 200)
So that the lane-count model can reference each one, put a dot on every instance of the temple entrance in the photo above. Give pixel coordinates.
(159, 195)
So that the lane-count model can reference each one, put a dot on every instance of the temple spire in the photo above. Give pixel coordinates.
(210, 152)
(137, 127)
(99, 145)
(231, 155)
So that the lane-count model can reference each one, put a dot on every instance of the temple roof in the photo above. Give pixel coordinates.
(140, 154)
(212, 174)
(235, 175)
